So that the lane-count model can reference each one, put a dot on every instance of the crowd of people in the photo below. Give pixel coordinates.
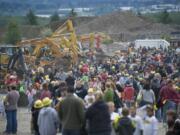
(130, 95)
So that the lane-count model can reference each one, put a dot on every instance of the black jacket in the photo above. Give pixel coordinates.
(81, 92)
(98, 118)
(125, 126)
(35, 114)
(70, 81)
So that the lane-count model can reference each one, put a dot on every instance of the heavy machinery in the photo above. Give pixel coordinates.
(11, 58)
(94, 40)
(61, 44)
(65, 36)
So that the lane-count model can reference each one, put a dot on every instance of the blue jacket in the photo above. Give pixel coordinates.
(48, 121)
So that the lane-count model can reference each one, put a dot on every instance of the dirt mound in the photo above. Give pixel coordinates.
(124, 25)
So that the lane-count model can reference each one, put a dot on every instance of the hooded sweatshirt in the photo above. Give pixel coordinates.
(48, 121)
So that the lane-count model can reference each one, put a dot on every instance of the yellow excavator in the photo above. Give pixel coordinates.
(62, 43)
(11, 58)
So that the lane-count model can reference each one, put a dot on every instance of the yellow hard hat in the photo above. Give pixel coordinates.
(38, 104)
(90, 90)
(46, 101)
(46, 77)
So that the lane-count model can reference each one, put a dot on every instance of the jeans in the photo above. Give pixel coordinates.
(169, 105)
(11, 117)
(128, 103)
(158, 114)
(70, 132)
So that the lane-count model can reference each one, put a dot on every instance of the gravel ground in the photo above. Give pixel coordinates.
(24, 123)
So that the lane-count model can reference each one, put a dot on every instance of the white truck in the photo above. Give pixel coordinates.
(157, 43)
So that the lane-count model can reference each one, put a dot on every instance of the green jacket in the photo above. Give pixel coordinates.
(109, 96)
(71, 112)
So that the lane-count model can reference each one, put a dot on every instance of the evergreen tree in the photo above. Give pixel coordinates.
(13, 33)
(31, 18)
(72, 13)
(55, 17)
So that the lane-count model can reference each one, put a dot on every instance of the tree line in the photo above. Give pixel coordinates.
(13, 34)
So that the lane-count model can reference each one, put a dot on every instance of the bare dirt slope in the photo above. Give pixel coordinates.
(124, 25)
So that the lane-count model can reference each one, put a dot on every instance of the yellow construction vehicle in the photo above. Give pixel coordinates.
(11, 58)
(65, 36)
(60, 44)
(94, 40)
(87, 39)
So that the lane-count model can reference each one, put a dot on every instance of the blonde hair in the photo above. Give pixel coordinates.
(108, 84)
(98, 95)
(110, 103)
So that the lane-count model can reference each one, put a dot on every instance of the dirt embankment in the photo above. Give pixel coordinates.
(121, 26)
(125, 26)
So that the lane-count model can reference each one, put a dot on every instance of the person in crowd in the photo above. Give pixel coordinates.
(45, 92)
(38, 105)
(30, 94)
(169, 98)
(113, 114)
(71, 113)
(177, 127)
(10, 102)
(70, 80)
(61, 75)
(2, 109)
(129, 94)
(171, 118)
(147, 95)
(137, 121)
(80, 90)
(90, 98)
(98, 117)
(150, 122)
(48, 120)
(156, 84)
(108, 93)
(125, 126)
(36, 88)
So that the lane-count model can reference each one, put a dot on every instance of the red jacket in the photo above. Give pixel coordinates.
(129, 93)
(169, 93)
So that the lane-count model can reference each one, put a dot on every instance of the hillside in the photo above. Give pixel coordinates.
(121, 26)
(125, 26)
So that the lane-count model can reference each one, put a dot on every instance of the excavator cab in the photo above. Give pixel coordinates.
(11, 58)
(6, 52)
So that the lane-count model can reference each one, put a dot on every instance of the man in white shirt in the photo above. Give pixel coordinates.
(113, 115)
(150, 122)
(137, 121)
